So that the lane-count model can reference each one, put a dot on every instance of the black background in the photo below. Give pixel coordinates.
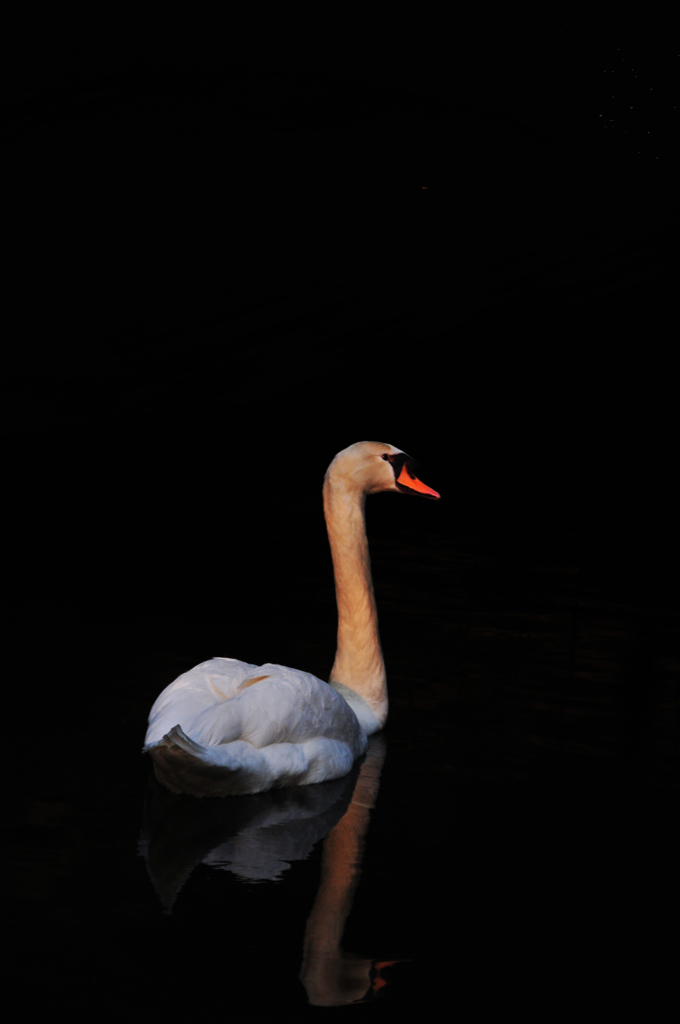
(225, 267)
(221, 273)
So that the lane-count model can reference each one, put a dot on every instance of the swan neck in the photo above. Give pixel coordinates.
(358, 660)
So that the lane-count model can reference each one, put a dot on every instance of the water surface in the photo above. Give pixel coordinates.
(507, 843)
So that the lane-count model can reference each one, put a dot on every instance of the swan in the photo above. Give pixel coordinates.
(227, 727)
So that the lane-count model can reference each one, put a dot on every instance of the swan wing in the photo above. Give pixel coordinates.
(281, 727)
(223, 700)
(203, 687)
(284, 706)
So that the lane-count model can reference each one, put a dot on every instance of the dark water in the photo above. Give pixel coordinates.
(520, 853)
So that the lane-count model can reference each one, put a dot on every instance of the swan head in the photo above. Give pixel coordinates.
(372, 466)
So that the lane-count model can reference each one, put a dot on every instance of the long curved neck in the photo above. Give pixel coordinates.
(358, 660)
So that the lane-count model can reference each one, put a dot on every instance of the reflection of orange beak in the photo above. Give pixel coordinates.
(380, 982)
(415, 484)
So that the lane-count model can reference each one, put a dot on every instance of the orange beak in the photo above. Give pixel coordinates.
(414, 484)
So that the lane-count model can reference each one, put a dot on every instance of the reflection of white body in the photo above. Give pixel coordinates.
(285, 831)
(227, 727)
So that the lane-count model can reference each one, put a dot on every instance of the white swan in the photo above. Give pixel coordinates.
(226, 727)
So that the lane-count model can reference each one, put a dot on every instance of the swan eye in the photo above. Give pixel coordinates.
(385, 457)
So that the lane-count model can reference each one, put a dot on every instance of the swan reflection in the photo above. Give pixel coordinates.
(258, 837)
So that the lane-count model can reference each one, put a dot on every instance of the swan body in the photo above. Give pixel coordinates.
(227, 727)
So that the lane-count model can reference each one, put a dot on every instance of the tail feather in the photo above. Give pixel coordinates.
(177, 737)
(179, 766)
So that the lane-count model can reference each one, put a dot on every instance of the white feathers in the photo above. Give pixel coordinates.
(288, 728)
